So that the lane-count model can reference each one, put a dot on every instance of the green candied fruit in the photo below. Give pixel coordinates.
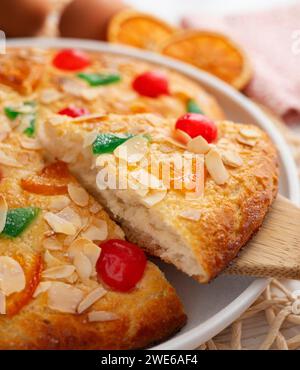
(11, 113)
(107, 143)
(98, 79)
(193, 107)
(18, 220)
(30, 130)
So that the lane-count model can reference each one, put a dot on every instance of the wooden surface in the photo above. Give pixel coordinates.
(275, 250)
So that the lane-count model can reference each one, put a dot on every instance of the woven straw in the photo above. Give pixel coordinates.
(272, 321)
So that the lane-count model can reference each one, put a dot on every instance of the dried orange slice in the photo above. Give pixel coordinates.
(138, 29)
(211, 52)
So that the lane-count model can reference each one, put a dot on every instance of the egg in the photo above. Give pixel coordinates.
(88, 19)
(20, 18)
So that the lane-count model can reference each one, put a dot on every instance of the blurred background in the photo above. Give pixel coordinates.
(173, 10)
(254, 45)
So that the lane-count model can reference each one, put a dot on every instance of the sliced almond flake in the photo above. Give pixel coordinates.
(181, 136)
(83, 266)
(153, 197)
(58, 119)
(58, 272)
(138, 188)
(9, 161)
(96, 233)
(95, 208)
(245, 141)
(3, 212)
(89, 94)
(50, 260)
(64, 297)
(78, 195)
(191, 214)
(52, 244)
(175, 142)
(232, 159)
(59, 202)
(28, 143)
(215, 167)
(70, 156)
(70, 215)
(49, 96)
(87, 247)
(89, 139)
(198, 145)
(90, 299)
(42, 288)
(12, 277)
(2, 303)
(72, 279)
(102, 316)
(59, 224)
(146, 179)
(133, 150)
(250, 133)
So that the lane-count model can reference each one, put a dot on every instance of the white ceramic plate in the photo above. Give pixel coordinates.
(210, 308)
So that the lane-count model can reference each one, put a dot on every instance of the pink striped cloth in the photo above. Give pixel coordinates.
(272, 41)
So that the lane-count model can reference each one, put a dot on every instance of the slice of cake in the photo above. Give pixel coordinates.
(199, 230)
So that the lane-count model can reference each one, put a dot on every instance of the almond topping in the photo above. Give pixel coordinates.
(42, 288)
(58, 272)
(52, 244)
(2, 303)
(28, 143)
(153, 197)
(50, 260)
(90, 299)
(49, 96)
(232, 159)
(191, 214)
(70, 215)
(182, 136)
(59, 202)
(198, 145)
(89, 139)
(102, 316)
(87, 247)
(64, 297)
(133, 150)
(8, 161)
(175, 142)
(250, 133)
(95, 208)
(215, 167)
(83, 266)
(3, 212)
(59, 224)
(96, 233)
(78, 195)
(12, 277)
(246, 141)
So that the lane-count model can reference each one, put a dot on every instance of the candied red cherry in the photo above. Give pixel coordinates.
(121, 264)
(151, 84)
(71, 60)
(73, 112)
(195, 124)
